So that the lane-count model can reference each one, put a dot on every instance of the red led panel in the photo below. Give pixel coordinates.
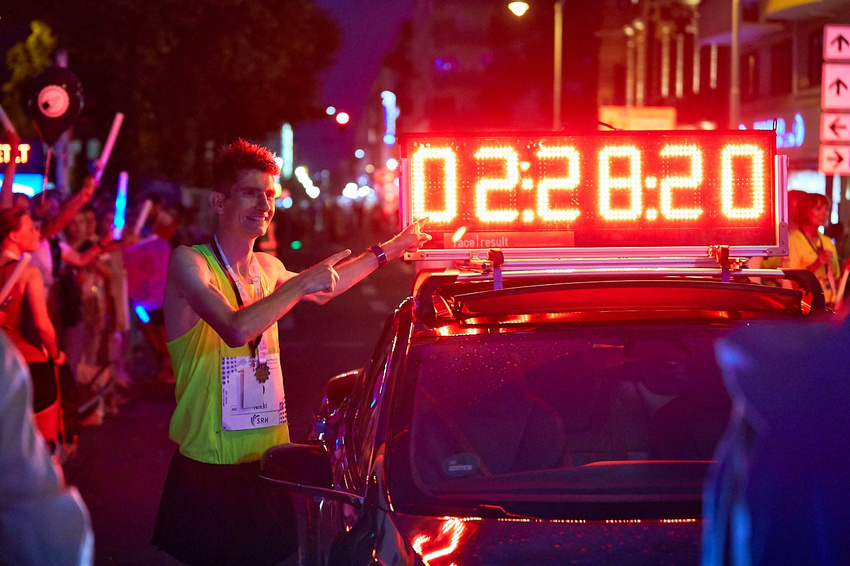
(605, 189)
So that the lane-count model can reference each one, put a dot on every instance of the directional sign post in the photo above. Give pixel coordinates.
(834, 127)
(835, 101)
(835, 88)
(834, 159)
(836, 43)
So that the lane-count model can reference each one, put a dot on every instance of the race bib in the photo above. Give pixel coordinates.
(251, 394)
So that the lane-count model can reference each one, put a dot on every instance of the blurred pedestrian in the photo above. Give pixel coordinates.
(117, 302)
(222, 304)
(85, 340)
(42, 521)
(159, 221)
(21, 201)
(777, 493)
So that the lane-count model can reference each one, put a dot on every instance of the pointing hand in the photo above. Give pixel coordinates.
(322, 277)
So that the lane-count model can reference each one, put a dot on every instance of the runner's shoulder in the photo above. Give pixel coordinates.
(187, 258)
(269, 262)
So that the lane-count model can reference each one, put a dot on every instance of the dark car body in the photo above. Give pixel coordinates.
(567, 418)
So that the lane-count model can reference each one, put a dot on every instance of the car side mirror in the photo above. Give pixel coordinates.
(339, 388)
(304, 468)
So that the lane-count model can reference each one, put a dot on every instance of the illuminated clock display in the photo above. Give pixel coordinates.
(605, 189)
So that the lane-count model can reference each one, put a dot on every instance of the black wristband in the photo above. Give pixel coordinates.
(379, 254)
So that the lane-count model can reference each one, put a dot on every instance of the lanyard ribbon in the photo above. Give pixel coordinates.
(239, 289)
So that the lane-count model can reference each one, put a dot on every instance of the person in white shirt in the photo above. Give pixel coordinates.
(43, 522)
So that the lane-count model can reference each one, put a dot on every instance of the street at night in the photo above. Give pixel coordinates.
(595, 309)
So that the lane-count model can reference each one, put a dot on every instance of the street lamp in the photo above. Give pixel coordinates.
(734, 69)
(520, 8)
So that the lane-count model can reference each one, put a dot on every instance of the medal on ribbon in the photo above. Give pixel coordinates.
(261, 372)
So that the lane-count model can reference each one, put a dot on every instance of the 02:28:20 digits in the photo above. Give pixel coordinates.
(613, 189)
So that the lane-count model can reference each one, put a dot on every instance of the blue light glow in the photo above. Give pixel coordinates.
(142, 313)
(120, 207)
(28, 183)
(784, 138)
(391, 113)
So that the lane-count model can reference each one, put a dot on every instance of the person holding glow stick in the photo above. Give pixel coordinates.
(82, 276)
(52, 251)
(27, 323)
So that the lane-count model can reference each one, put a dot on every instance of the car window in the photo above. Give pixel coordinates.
(366, 396)
(624, 409)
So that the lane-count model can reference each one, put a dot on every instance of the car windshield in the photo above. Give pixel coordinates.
(619, 412)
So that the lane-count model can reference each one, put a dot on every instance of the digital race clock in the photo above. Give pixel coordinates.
(646, 189)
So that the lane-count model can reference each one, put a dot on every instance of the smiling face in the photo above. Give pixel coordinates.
(248, 207)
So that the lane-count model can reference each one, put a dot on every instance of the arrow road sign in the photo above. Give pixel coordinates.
(836, 43)
(835, 86)
(834, 127)
(834, 159)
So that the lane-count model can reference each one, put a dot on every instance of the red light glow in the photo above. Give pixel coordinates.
(446, 541)
(342, 118)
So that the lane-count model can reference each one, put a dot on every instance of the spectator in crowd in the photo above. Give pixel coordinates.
(117, 302)
(809, 249)
(27, 323)
(85, 340)
(21, 201)
(153, 251)
(53, 252)
(90, 335)
(42, 521)
(91, 225)
(188, 231)
(159, 222)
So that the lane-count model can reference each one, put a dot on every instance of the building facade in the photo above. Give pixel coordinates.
(679, 54)
(464, 65)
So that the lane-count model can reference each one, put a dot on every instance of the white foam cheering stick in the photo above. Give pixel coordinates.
(4, 118)
(13, 277)
(143, 216)
(107, 147)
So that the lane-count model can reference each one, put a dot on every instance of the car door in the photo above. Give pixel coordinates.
(361, 437)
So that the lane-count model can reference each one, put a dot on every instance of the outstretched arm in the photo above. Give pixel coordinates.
(355, 270)
(69, 209)
(105, 245)
(191, 293)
